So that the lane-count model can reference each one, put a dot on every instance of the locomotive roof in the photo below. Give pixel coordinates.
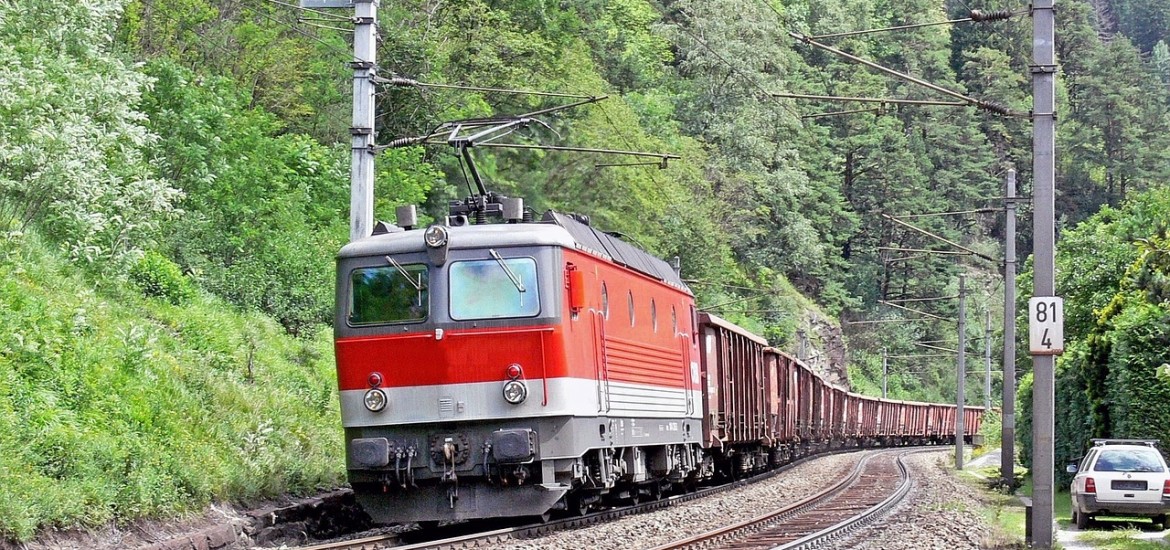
(554, 229)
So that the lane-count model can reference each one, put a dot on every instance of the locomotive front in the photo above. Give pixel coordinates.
(447, 342)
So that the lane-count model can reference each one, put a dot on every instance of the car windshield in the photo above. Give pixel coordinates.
(1129, 460)
(495, 288)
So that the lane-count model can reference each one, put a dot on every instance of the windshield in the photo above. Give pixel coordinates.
(494, 288)
(1127, 460)
(388, 294)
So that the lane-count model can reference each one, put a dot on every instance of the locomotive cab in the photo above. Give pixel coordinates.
(463, 336)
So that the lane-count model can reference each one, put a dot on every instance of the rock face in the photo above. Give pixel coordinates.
(821, 345)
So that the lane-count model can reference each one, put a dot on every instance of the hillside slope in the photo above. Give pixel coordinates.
(114, 406)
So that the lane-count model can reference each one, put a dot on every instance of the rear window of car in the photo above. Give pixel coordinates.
(1129, 460)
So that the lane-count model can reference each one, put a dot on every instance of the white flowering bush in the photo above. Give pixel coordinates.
(72, 139)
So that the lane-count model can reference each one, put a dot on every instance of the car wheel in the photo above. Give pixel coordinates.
(1081, 519)
(1161, 519)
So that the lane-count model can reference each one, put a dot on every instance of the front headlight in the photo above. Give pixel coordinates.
(375, 400)
(435, 236)
(515, 392)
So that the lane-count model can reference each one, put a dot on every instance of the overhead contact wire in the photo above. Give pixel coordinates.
(977, 16)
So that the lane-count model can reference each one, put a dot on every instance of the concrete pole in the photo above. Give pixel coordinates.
(961, 375)
(885, 370)
(987, 359)
(1044, 256)
(361, 201)
(1007, 455)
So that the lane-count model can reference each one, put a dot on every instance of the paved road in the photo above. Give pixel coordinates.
(989, 459)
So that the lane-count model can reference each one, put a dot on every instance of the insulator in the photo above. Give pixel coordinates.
(400, 81)
(403, 142)
(998, 15)
(995, 108)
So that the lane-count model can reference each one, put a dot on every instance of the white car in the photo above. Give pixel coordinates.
(1121, 477)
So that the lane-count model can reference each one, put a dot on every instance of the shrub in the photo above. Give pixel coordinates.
(159, 277)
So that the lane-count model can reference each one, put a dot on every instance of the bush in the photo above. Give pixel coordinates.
(159, 277)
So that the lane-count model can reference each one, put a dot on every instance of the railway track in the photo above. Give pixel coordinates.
(466, 535)
(876, 484)
(840, 509)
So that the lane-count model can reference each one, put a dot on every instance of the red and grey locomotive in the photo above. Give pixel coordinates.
(493, 369)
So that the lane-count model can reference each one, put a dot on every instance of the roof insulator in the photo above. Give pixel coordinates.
(998, 15)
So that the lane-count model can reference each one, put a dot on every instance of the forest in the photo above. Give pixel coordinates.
(174, 186)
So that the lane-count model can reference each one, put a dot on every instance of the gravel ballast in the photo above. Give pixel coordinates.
(664, 526)
(941, 512)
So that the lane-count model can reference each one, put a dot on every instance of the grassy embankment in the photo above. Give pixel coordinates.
(115, 406)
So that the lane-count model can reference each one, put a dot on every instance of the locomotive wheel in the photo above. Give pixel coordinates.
(635, 496)
(576, 507)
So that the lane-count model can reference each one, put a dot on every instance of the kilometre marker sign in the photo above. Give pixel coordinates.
(1046, 325)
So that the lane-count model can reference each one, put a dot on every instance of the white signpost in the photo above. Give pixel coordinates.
(1046, 325)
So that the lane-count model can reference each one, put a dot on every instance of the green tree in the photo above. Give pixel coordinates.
(265, 210)
(1113, 270)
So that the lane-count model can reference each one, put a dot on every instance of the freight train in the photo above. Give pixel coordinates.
(517, 368)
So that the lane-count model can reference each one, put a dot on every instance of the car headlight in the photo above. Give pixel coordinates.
(435, 236)
(375, 400)
(515, 392)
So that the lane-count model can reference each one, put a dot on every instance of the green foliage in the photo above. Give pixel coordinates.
(73, 144)
(1146, 23)
(1116, 136)
(265, 208)
(1114, 267)
(114, 407)
(631, 56)
(1024, 420)
(283, 66)
(158, 276)
(991, 429)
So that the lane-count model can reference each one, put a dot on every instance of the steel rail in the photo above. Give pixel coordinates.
(743, 528)
(757, 532)
(486, 538)
(816, 540)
